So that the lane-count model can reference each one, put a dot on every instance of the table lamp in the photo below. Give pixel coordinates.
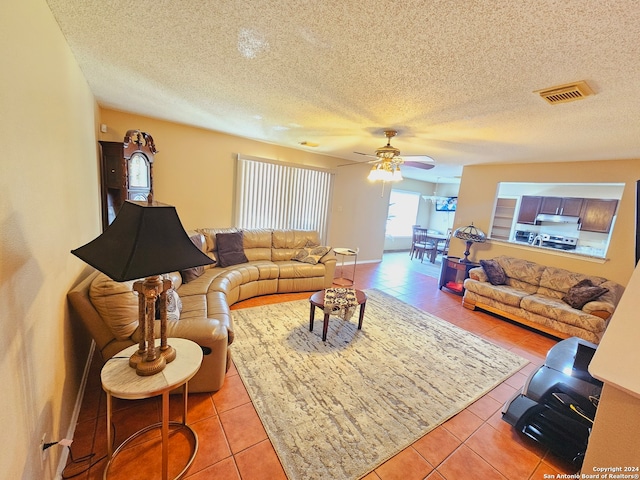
(145, 240)
(469, 234)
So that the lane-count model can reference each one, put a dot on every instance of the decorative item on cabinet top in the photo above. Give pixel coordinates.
(142, 141)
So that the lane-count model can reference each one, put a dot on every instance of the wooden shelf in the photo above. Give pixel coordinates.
(503, 218)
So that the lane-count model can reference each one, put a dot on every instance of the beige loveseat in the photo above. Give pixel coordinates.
(532, 294)
(109, 309)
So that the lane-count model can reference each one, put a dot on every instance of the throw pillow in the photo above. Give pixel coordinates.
(494, 272)
(230, 249)
(311, 255)
(192, 273)
(582, 293)
(174, 305)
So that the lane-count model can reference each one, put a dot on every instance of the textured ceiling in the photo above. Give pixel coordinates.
(455, 78)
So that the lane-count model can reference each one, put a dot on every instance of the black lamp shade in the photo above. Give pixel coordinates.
(143, 240)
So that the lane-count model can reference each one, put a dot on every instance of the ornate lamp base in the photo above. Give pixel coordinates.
(466, 253)
(149, 359)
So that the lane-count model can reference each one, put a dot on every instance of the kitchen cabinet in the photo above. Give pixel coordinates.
(569, 206)
(550, 205)
(529, 209)
(597, 214)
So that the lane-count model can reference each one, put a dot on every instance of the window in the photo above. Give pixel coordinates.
(403, 212)
(281, 196)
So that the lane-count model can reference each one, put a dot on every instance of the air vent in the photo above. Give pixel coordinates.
(565, 93)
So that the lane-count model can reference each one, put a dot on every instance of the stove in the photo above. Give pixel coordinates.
(558, 241)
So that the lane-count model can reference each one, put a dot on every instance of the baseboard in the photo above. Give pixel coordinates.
(64, 455)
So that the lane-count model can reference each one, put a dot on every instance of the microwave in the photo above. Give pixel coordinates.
(524, 236)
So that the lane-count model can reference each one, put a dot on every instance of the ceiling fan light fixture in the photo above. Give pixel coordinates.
(375, 174)
(397, 175)
(388, 161)
(385, 171)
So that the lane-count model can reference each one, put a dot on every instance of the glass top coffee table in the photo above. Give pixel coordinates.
(317, 300)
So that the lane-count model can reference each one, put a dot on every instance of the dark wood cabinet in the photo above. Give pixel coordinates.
(531, 206)
(550, 205)
(453, 274)
(570, 206)
(126, 170)
(597, 215)
(529, 209)
(112, 170)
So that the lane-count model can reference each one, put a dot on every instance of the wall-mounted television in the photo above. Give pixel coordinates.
(446, 204)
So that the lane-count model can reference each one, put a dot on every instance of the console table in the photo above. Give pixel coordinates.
(121, 381)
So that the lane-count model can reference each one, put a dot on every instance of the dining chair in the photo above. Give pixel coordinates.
(422, 244)
(412, 250)
(443, 245)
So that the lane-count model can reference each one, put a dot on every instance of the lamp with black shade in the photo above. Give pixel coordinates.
(145, 240)
(470, 234)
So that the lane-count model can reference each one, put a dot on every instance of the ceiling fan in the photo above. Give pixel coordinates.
(388, 160)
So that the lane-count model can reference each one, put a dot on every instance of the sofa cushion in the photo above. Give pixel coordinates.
(502, 293)
(287, 243)
(230, 249)
(556, 282)
(582, 293)
(293, 269)
(210, 236)
(117, 304)
(311, 255)
(521, 270)
(257, 244)
(494, 272)
(561, 313)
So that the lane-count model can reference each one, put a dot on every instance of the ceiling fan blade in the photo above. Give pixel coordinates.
(421, 165)
(418, 158)
(366, 155)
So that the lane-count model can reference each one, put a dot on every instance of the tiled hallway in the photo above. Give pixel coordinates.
(233, 445)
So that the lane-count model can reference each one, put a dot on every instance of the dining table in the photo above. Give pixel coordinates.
(430, 236)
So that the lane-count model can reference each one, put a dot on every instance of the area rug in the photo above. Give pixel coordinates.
(338, 409)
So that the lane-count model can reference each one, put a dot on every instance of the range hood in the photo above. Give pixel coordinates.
(547, 218)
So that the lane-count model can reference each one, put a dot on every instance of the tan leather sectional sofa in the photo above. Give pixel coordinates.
(536, 295)
(109, 309)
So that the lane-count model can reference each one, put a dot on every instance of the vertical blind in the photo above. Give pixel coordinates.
(281, 196)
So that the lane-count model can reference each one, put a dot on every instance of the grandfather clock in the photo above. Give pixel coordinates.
(126, 172)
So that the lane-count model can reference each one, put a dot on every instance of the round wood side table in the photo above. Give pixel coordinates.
(317, 300)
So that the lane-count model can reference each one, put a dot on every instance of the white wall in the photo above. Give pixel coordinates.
(49, 205)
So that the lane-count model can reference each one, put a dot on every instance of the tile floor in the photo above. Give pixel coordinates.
(233, 445)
